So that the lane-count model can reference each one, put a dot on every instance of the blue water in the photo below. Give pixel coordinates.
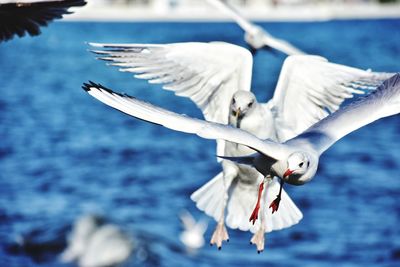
(63, 154)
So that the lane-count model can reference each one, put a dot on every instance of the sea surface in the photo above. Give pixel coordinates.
(64, 154)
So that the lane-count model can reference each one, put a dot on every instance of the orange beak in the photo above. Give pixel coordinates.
(287, 173)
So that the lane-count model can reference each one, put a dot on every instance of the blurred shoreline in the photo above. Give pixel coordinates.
(315, 12)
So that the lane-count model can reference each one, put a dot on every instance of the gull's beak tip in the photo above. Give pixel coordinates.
(287, 173)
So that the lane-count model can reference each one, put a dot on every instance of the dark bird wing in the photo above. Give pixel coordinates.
(19, 18)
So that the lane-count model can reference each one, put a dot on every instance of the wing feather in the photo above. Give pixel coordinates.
(207, 73)
(203, 72)
(208, 130)
(310, 88)
(383, 102)
(18, 18)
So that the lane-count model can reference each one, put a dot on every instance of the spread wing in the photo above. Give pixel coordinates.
(18, 18)
(205, 129)
(383, 102)
(207, 73)
(310, 88)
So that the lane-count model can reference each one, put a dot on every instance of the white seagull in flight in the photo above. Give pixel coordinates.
(294, 161)
(254, 35)
(217, 77)
(27, 16)
(192, 235)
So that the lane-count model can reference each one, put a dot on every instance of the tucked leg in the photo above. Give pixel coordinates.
(275, 204)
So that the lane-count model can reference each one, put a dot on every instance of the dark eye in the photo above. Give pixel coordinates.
(308, 164)
(301, 164)
(250, 104)
(233, 101)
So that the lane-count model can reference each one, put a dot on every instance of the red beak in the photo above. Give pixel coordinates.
(287, 173)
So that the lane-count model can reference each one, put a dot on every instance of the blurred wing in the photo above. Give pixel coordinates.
(208, 130)
(281, 45)
(187, 220)
(383, 102)
(233, 13)
(207, 73)
(251, 28)
(310, 88)
(17, 18)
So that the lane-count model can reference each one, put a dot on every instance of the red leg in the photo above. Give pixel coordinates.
(254, 214)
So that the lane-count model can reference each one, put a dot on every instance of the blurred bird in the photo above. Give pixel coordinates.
(96, 244)
(254, 35)
(82, 231)
(27, 16)
(193, 232)
(217, 78)
(294, 161)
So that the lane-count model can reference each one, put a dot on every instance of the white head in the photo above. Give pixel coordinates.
(255, 37)
(242, 103)
(301, 168)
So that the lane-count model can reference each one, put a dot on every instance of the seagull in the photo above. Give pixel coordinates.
(23, 16)
(254, 35)
(193, 235)
(294, 161)
(109, 246)
(83, 229)
(217, 78)
(95, 244)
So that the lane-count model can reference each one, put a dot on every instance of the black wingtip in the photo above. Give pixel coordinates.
(86, 86)
(77, 2)
(89, 85)
(389, 87)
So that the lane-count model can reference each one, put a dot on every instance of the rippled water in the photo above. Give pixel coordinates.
(63, 154)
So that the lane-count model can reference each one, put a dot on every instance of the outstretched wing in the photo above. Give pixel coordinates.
(17, 18)
(383, 102)
(207, 73)
(310, 88)
(209, 130)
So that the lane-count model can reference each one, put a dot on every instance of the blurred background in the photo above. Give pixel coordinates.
(287, 10)
(72, 168)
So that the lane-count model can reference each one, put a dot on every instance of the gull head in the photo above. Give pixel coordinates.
(300, 169)
(242, 103)
(255, 37)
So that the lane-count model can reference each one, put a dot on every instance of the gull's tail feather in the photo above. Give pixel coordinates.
(210, 197)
